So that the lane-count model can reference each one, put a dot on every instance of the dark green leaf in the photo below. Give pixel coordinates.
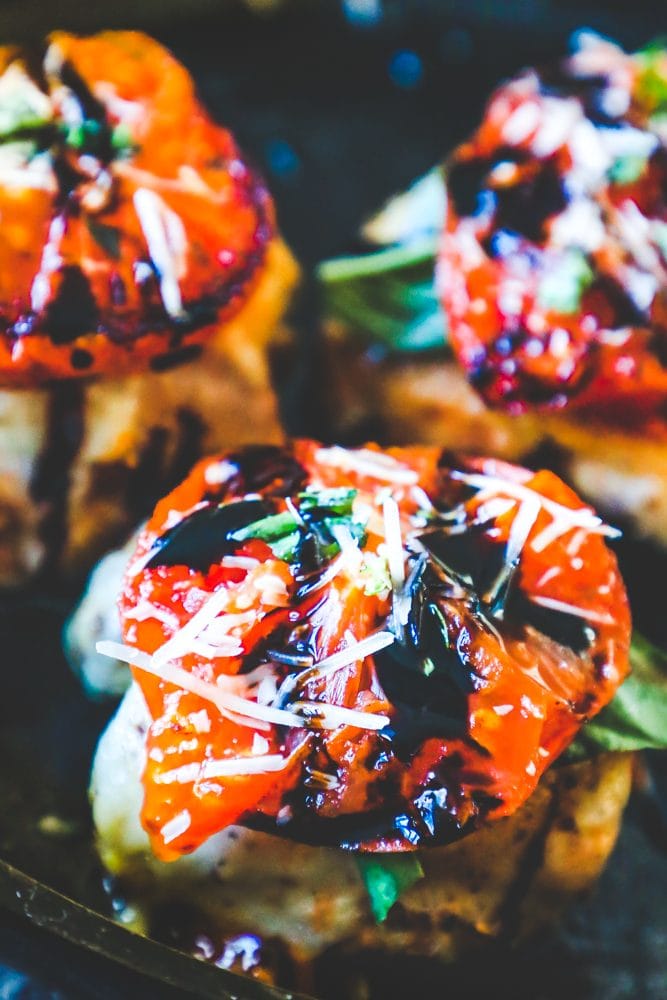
(387, 877)
(651, 88)
(269, 529)
(636, 718)
(320, 511)
(627, 169)
(121, 141)
(287, 547)
(335, 501)
(389, 295)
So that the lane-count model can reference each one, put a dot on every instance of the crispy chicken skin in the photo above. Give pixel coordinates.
(142, 285)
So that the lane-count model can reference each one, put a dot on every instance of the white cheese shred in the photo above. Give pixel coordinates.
(242, 710)
(181, 642)
(572, 609)
(564, 519)
(395, 556)
(346, 657)
(368, 463)
(176, 826)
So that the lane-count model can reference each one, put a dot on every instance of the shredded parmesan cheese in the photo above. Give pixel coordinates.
(395, 556)
(167, 245)
(176, 826)
(242, 710)
(564, 518)
(320, 714)
(189, 773)
(368, 463)
(572, 609)
(181, 642)
(346, 657)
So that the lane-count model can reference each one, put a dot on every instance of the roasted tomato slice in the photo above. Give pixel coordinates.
(132, 227)
(553, 267)
(373, 649)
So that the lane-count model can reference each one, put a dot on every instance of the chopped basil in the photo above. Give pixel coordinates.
(268, 529)
(387, 877)
(636, 718)
(335, 501)
(83, 135)
(287, 547)
(121, 141)
(651, 87)
(564, 283)
(389, 295)
(627, 169)
(375, 572)
(318, 513)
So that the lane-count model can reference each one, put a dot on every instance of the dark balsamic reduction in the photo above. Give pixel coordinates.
(556, 81)
(268, 469)
(465, 181)
(98, 140)
(423, 706)
(525, 207)
(51, 479)
(470, 556)
(74, 311)
(204, 537)
(172, 359)
(568, 630)
(351, 831)
(625, 311)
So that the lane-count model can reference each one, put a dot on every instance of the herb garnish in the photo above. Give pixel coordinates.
(307, 535)
(387, 877)
(389, 295)
(636, 717)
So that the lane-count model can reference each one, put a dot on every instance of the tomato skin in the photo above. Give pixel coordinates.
(176, 169)
(519, 693)
(539, 270)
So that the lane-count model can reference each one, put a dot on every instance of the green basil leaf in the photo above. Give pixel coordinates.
(636, 717)
(651, 88)
(564, 283)
(388, 296)
(334, 501)
(268, 529)
(627, 169)
(387, 877)
(121, 141)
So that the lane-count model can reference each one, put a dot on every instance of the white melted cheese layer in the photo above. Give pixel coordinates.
(311, 897)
